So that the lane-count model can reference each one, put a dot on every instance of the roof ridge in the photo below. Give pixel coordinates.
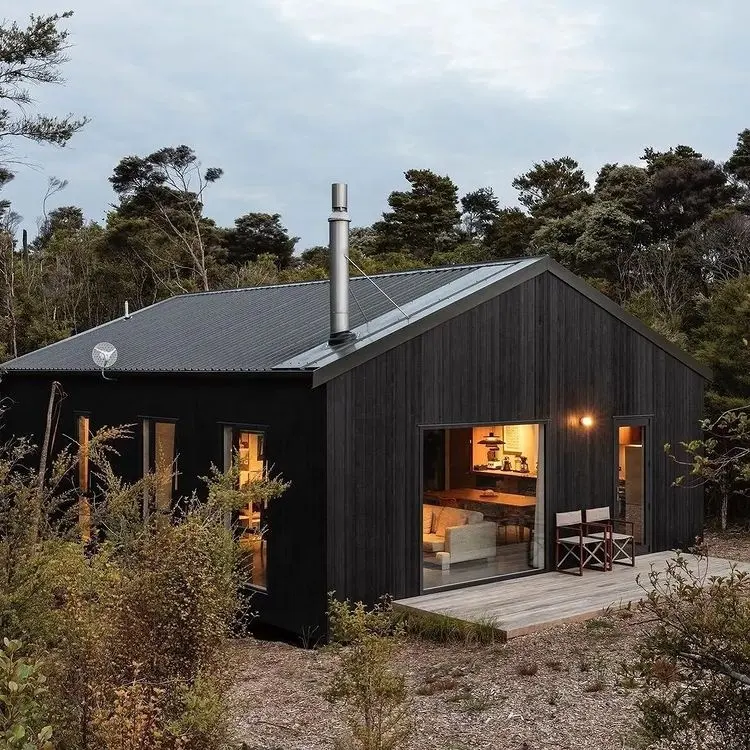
(384, 274)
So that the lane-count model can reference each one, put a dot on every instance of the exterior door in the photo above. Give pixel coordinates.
(632, 494)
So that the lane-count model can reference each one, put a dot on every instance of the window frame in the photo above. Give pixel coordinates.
(147, 453)
(84, 467)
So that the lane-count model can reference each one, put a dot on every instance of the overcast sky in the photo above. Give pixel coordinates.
(289, 95)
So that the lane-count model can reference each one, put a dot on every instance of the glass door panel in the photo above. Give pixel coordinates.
(632, 466)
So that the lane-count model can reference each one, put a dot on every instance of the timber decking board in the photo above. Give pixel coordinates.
(526, 605)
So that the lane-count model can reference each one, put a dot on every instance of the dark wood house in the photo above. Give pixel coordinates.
(429, 438)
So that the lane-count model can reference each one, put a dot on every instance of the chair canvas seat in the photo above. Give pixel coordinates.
(589, 539)
(621, 545)
(614, 536)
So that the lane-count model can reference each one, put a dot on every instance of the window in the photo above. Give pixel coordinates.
(84, 490)
(251, 522)
(159, 457)
(483, 502)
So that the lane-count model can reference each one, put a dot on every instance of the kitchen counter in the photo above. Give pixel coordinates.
(475, 496)
(502, 473)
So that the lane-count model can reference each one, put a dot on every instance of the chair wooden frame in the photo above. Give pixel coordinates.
(575, 543)
(620, 544)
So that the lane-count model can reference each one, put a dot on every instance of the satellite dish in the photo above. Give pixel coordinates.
(104, 355)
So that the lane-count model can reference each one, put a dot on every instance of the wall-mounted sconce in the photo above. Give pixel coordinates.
(586, 421)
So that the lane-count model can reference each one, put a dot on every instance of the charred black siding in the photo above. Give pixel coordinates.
(291, 412)
(540, 351)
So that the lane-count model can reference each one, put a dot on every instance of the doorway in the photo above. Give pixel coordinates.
(632, 500)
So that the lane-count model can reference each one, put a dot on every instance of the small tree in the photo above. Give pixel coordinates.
(373, 693)
(167, 187)
(721, 459)
(694, 657)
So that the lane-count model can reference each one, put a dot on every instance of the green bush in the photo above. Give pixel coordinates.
(132, 623)
(23, 712)
(366, 683)
(694, 658)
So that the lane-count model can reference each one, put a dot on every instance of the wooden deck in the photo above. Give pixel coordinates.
(526, 605)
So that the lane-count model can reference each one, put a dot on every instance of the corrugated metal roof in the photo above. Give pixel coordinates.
(247, 330)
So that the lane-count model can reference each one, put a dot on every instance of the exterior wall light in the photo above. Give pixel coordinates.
(586, 421)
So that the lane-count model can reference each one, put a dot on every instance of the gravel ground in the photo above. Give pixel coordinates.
(464, 698)
(733, 544)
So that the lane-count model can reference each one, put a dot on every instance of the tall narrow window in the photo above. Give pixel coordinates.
(159, 458)
(84, 490)
(251, 522)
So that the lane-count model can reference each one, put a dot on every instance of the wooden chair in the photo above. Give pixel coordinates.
(574, 544)
(618, 535)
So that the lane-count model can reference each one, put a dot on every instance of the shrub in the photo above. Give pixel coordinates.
(527, 668)
(132, 623)
(439, 628)
(694, 662)
(372, 691)
(23, 714)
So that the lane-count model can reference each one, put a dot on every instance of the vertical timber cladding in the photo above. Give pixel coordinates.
(599, 365)
(481, 366)
(288, 409)
(540, 351)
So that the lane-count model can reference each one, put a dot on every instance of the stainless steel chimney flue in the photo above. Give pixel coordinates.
(338, 265)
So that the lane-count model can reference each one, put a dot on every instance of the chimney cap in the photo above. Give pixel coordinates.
(339, 196)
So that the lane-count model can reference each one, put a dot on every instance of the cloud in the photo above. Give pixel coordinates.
(290, 95)
(531, 47)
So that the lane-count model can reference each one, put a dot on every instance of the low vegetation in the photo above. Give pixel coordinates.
(115, 642)
(694, 658)
(366, 682)
(439, 628)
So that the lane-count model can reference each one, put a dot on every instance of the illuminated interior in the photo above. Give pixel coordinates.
(630, 501)
(483, 504)
(84, 501)
(159, 457)
(250, 522)
(164, 460)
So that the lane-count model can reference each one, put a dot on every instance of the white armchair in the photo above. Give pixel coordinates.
(454, 535)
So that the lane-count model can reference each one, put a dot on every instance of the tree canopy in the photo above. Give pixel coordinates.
(668, 237)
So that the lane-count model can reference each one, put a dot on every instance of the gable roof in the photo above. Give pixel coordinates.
(284, 328)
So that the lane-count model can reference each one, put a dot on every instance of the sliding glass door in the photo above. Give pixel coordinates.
(482, 502)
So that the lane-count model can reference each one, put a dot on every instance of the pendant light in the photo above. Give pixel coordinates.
(491, 440)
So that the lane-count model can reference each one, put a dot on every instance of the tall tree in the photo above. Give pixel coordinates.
(30, 56)
(167, 188)
(479, 209)
(683, 188)
(422, 220)
(722, 341)
(256, 234)
(509, 235)
(624, 185)
(738, 164)
(553, 189)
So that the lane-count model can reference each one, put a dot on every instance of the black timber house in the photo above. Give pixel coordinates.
(430, 448)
